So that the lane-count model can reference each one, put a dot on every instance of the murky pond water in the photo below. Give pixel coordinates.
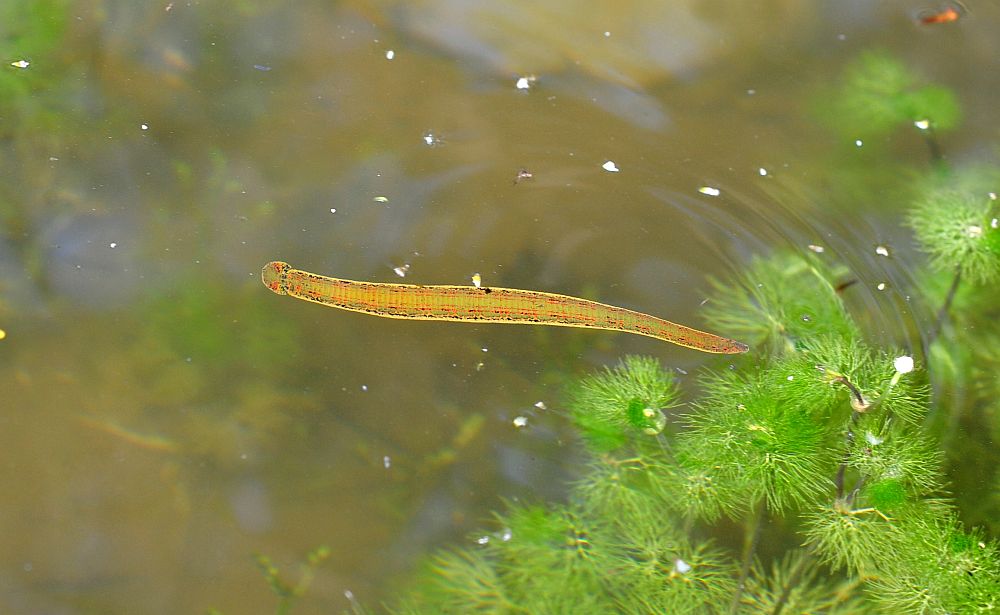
(165, 418)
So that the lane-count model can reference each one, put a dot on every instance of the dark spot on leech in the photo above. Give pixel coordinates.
(487, 290)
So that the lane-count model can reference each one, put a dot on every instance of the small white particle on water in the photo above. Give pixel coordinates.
(113, 244)
(144, 126)
(506, 535)
(541, 405)
(349, 595)
(364, 387)
(993, 196)
(381, 199)
(333, 210)
(485, 349)
(681, 567)
(681, 371)
(53, 159)
(974, 231)
(922, 124)
(790, 378)
(386, 462)
(520, 421)
(859, 142)
(873, 439)
(710, 191)
(817, 249)
(994, 223)
(390, 54)
(483, 540)
(610, 167)
(607, 34)
(21, 64)
(402, 270)
(523, 83)
(762, 171)
(881, 286)
(751, 92)
(477, 280)
(841, 37)
(882, 250)
(903, 364)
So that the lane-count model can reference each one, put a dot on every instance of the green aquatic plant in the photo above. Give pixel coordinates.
(819, 443)
(959, 230)
(878, 93)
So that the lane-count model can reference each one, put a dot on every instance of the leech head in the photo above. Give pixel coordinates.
(273, 276)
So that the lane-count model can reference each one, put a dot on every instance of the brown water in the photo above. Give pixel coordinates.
(164, 417)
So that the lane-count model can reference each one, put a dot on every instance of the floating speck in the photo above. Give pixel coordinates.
(525, 83)
(873, 439)
(402, 270)
(477, 280)
(523, 175)
(483, 540)
(485, 349)
(710, 191)
(386, 462)
(390, 54)
(882, 250)
(994, 223)
(681, 567)
(364, 387)
(349, 595)
(610, 167)
(993, 196)
(881, 286)
(790, 378)
(520, 421)
(817, 249)
(262, 67)
(922, 124)
(113, 245)
(858, 142)
(480, 366)
(541, 405)
(3, 334)
(21, 64)
(762, 171)
(751, 92)
(333, 210)
(381, 199)
(974, 231)
(607, 34)
(431, 139)
(144, 126)
(506, 534)
(903, 364)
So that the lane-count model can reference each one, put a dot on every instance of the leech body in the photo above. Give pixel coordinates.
(486, 304)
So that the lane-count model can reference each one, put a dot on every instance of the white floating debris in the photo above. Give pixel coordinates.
(21, 64)
(607, 34)
(144, 126)
(477, 280)
(390, 54)
(710, 191)
(364, 387)
(386, 462)
(994, 223)
(881, 286)
(480, 366)
(993, 196)
(506, 534)
(790, 378)
(333, 210)
(262, 67)
(922, 124)
(520, 421)
(859, 142)
(974, 231)
(431, 139)
(524, 83)
(610, 167)
(113, 245)
(762, 171)
(903, 364)
(882, 250)
(483, 540)
(402, 270)
(681, 567)
(381, 199)
(485, 349)
(817, 249)
(541, 405)
(873, 439)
